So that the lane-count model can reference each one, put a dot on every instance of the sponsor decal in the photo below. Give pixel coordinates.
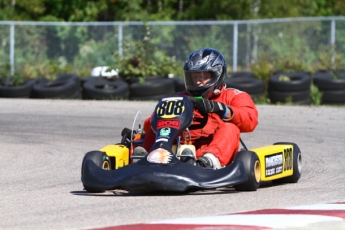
(175, 124)
(273, 164)
(164, 133)
(160, 156)
(288, 159)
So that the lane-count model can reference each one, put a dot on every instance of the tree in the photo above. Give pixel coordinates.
(21, 10)
(73, 11)
(163, 10)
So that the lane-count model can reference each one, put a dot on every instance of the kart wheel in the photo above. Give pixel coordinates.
(297, 165)
(252, 168)
(101, 160)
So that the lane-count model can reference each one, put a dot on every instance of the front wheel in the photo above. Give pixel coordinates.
(101, 160)
(252, 168)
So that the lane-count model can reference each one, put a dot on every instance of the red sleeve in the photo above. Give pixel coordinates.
(245, 114)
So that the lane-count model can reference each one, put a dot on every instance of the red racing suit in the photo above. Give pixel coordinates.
(219, 137)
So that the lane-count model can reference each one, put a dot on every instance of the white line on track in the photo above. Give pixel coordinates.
(263, 220)
(303, 216)
(319, 207)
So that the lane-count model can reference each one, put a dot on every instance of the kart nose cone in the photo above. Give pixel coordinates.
(179, 177)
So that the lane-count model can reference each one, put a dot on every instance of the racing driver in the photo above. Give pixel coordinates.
(230, 111)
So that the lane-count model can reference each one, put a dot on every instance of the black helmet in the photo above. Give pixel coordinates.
(205, 61)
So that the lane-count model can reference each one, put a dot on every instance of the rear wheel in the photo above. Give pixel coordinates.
(101, 160)
(297, 164)
(252, 168)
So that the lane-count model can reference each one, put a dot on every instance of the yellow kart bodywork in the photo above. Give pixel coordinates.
(276, 161)
(118, 154)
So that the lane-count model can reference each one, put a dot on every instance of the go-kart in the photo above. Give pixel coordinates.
(115, 167)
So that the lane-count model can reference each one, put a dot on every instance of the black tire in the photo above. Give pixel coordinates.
(73, 77)
(83, 80)
(152, 87)
(333, 97)
(252, 168)
(20, 91)
(256, 95)
(150, 98)
(295, 96)
(324, 81)
(297, 164)
(60, 88)
(68, 76)
(105, 89)
(101, 160)
(246, 84)
(299, 81)
(341, 73)
(242, 74)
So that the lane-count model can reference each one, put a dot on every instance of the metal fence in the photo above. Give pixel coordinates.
(90, 44)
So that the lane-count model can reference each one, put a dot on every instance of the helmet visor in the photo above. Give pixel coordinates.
(198, 80)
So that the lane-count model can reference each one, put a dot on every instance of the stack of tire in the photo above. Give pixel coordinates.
(19, 91)
(65, 86)
(246, 81)
(99, 88)
(153, 88)
(292, 87)
(332, 89)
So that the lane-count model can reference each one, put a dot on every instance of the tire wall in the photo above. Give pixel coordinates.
(282, 87)
(332, 89)
(153, 88)
(246, 81)
(290, 87)
(95, 88)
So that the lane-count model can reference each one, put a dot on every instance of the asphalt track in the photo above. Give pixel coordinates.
(42, 143)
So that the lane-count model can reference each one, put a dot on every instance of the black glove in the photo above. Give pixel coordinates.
(211, 106)
(204, 162)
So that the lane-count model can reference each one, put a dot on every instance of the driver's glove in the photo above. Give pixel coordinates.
(211, 106)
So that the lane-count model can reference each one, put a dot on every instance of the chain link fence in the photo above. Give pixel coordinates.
(87, 45)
